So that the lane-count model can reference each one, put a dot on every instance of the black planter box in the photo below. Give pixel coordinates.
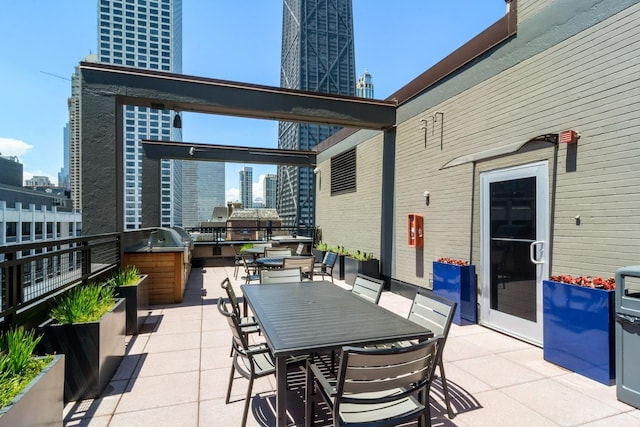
(40, 403)
(338, 268)
(93, 351)
(137, 297)
(353, 267)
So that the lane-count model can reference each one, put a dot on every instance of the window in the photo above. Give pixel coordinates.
(343, 173)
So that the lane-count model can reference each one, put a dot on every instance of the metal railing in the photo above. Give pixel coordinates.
(32, 273)
(248, 233)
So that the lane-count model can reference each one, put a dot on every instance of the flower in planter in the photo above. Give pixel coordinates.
(588, 282)
(453, 261)
(321, 246)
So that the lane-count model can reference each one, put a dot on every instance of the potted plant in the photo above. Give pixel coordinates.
(133, 287)
(360, 262)
(455, 280)
(88, 326)
(31, 388)
(318, 251)
(578, 322)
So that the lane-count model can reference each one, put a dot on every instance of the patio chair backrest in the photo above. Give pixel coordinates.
(231, 294)
(368, 288)
(289, 275)
(432, 312)
(239, 339)
(386, 375)
(329, 260)
(306, 264)
(277, 252)
(262, 245)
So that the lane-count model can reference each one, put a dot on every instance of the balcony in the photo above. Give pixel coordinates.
(176, 371)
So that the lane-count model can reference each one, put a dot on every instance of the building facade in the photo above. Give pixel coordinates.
(63, 175)
(145, 34)
(203, 189)
(317, 55)
(269, 190)
(246, 187)
(528, 168)
(364, 85)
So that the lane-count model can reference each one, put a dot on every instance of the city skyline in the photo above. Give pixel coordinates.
(37, 72)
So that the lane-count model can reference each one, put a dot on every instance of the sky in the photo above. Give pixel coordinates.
(42, 41)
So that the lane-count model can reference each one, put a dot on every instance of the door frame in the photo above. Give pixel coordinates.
(512, 325)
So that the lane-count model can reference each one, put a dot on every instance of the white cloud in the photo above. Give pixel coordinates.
(232, 194)
(13, 147)
(258, 188)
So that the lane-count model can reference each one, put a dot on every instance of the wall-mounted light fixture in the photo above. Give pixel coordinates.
(426, 197)
(194, 150)
(316, 172)
(177, 121)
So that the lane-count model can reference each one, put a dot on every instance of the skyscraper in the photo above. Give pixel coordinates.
(63, 175)
(246, 187)
(317, 55)
(145, 34)
(75, 134)
(364, 85)
(269, 190)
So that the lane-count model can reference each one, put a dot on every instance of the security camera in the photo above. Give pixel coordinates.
(316, 170)
(192, 150)
(425, 194)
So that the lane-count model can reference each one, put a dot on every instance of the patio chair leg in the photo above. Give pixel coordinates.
(233, 371)
(308, 401)
(445, 390)
(246, 403)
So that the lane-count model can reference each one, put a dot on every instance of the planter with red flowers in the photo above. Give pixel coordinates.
(455, 280)
(579, 324)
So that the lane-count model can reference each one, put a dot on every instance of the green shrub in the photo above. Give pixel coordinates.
(84, 304)
(127, 276)
(17, 364)
(321, 246)
(246, 246)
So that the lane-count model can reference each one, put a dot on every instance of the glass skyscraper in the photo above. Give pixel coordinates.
(317, 55)
(145, 34)
(364, 85)
(269, 190)
(246, 187)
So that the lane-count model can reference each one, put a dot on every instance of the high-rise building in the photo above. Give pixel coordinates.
(246, 187)
(63, 175)
(203, 189)
(145, 34)
(269, 187)
(75, 134)
(364, 85)
(317, 55)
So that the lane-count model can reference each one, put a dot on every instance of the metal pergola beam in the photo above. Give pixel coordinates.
(227, 153)
(168, 91)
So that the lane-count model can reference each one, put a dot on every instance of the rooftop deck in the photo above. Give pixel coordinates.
(175, 374)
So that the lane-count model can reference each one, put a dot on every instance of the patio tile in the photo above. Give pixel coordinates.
(498, 409)
(160, 391)
(499, 372)
(565, 405)
(169, 342)
(495, 342)
(532, 358)
(185, 415)
(216, 337)
(169, 362)
(176, 325)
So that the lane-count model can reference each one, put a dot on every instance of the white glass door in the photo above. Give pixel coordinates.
(514, 256)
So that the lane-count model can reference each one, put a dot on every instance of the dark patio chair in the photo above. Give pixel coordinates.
(326, 267)
(436, 314)
(237, 261)
(248, 323)
(251, 361)
(368, 288)
(376, 387)
(250, 269)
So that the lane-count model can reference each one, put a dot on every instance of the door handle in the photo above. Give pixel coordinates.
(532, 251)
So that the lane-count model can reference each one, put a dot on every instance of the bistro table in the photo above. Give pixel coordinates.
(313, 317)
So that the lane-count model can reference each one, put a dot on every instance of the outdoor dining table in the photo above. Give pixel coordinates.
(313, 317)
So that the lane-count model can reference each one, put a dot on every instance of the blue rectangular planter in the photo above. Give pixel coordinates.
(579, 330)
(457, 283)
